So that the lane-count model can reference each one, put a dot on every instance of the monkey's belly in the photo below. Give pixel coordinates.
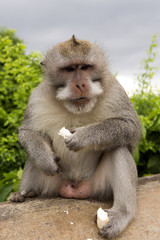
(70, 189)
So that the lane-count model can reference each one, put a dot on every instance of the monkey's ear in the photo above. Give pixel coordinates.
(42, 63)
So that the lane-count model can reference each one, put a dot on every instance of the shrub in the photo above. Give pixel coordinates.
(19, 74)
(147, 105)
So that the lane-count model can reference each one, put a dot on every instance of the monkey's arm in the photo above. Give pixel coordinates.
(38, 147)
(110, 134)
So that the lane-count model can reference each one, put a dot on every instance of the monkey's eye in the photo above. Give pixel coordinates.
(61, 85)
(69, 69)
(97, 80)
(85, 67)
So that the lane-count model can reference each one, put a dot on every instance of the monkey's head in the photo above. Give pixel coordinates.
(75, 71)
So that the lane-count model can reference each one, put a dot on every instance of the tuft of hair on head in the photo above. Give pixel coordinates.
(75, 41)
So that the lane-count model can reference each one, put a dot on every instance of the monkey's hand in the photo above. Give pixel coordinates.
(51, 167)
(77, 141)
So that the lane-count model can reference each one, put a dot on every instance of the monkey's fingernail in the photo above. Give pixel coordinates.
(57, 159)
(73, 131)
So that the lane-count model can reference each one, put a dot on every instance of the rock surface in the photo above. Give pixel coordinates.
(68, 219)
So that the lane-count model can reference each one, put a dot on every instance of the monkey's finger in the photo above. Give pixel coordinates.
(95, 218)
(52, 169)
(110, 230)
(72, 145)
(59, 170)
(105, 231)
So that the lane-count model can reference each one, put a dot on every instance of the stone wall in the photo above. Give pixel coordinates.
(69, 219)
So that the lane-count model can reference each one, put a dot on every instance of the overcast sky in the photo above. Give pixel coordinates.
(124, 28)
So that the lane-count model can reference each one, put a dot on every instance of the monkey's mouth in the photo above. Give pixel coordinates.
(81, 104)
(81, 100)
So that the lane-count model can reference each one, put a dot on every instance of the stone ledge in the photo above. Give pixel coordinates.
(45, 219)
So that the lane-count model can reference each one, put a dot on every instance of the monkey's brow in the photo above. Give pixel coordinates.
(75, 66)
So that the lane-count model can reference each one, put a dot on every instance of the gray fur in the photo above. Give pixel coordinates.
(100, 149)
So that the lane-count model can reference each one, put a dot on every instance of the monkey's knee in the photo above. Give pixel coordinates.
(16, 197)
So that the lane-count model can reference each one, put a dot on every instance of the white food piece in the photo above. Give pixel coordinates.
(71, 223)
(102, 218)
(66, 212)
(64, 132)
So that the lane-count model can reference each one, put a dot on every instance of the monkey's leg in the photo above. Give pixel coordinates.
(35, 183)
(26, 186)
(120, 171)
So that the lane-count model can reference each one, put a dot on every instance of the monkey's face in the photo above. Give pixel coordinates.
(78, 87)
(75, 70)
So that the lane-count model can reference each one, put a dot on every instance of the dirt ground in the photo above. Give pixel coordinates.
(68, 219)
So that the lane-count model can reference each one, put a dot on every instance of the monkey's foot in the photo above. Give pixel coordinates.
(16, 197)
(117, 222)
(20, 196)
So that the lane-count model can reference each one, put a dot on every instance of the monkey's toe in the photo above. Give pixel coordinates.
(16, 197)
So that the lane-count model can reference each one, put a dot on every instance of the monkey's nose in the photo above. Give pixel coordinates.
(80, 86)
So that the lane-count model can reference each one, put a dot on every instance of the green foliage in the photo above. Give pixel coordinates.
(144, 79)
(11, 34)
(10, 183)
(147, 105)
(19, 74)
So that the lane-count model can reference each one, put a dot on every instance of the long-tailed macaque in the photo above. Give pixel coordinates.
(79, 92)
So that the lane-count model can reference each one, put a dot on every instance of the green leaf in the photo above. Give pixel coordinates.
(10, 175)
(19, 174)
(154, 164)
(16, 184)
(5, 190)
(154, 113)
